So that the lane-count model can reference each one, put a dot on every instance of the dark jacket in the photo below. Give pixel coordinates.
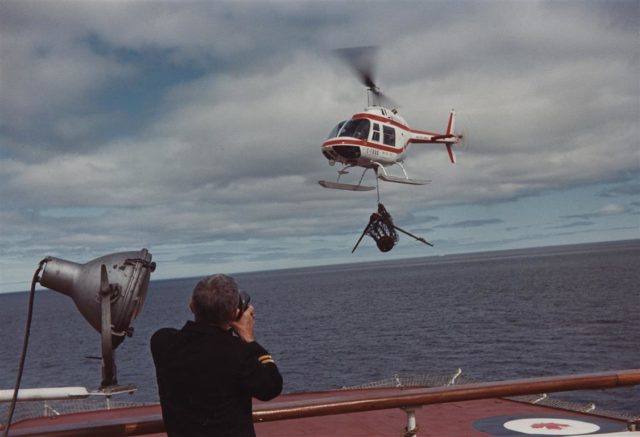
(206, 379)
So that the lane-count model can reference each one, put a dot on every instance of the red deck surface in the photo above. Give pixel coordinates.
(455, 419)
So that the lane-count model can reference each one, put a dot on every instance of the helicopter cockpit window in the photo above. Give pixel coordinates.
(375, 136)
(389, 135)
(356, 129)
(335, 130)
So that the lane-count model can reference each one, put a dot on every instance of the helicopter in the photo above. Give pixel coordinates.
(377, 137)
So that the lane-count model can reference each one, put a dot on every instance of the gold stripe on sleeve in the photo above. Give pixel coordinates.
(264, 359)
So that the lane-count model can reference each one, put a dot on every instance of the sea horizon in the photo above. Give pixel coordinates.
(446, 257)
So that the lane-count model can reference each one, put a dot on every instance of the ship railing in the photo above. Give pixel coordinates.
(354, 401)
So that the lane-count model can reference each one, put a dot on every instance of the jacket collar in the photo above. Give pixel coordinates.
(204, 328)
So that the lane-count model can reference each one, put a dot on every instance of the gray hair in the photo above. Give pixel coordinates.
(215, 299)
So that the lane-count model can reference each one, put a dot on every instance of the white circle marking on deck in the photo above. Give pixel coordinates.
(551, 426)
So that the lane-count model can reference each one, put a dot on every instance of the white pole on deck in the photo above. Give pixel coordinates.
(412, 427)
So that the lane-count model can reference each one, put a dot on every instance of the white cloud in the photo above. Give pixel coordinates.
(547, 92)
(43, 75)
(612, 209)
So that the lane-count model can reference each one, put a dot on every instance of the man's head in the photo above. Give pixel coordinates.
(215, 300)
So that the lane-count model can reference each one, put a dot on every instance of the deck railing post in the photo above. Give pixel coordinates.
(412, 426)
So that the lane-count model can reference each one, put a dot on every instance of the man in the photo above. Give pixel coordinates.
(209, 370)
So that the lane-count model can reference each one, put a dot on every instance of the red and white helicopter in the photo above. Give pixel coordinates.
(377, 137)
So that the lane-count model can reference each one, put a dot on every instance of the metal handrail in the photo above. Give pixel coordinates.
(351, 401)
(405, 397)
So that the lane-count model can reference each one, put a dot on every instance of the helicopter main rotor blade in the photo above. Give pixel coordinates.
(413, 236)
(362, 60)
(385, 100)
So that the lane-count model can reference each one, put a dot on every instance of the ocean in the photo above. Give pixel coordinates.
(496, 315)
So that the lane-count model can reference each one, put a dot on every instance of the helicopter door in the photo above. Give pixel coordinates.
(389, 136)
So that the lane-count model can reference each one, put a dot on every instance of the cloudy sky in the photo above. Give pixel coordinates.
(193, 129)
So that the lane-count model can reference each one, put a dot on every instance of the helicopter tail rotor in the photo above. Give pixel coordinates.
(466, 133)
(462, 139)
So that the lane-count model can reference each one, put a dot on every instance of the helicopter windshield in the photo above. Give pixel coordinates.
(356, 128)
(335, 130)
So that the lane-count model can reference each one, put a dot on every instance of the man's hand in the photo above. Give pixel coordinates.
(244, 326)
